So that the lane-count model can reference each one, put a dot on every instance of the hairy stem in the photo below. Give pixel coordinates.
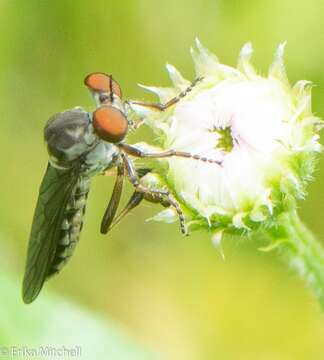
(303, 252)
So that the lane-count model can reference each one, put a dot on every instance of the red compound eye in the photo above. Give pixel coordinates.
(100, 82)
(110, 124)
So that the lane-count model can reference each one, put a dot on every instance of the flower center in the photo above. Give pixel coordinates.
(225, 141)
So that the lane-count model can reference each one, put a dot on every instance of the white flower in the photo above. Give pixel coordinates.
(261, 130)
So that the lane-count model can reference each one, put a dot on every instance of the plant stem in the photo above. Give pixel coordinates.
(303, 252)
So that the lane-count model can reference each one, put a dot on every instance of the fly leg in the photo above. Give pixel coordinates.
(114, 201)
(168, 201)
(163, 107)
(132, 150)
(134, 201)
(154, 195)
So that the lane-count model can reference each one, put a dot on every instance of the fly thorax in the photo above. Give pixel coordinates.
(69, 135)
(103, 156)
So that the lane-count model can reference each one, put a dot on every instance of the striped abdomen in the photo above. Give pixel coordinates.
(71, 226)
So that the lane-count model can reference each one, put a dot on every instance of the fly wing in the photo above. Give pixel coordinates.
(54, 194)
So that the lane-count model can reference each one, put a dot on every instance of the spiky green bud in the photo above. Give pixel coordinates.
(260, 128)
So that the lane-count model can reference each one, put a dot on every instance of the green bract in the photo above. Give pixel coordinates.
(260, 128)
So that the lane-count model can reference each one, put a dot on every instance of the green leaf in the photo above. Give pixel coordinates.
(57, 324)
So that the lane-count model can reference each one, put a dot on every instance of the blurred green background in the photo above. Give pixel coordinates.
(173, 296)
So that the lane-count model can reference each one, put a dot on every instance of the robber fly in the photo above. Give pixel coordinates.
(81, 145)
